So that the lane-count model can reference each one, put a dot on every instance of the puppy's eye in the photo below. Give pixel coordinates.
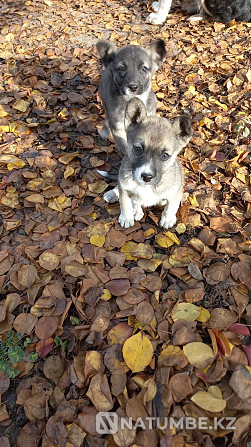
(165, 156)
(138, 150)
(121, 70)
(144, 69)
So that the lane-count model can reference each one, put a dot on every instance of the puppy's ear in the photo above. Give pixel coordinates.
(182, 127)
(158, 51)
(135, 112)
(106, 51)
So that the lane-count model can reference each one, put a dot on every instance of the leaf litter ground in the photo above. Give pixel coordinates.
(142, 321)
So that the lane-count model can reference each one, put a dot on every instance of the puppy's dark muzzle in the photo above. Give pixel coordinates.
(133, 87)
(146, 177)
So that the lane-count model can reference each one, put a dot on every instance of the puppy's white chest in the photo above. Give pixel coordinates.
(148, 196)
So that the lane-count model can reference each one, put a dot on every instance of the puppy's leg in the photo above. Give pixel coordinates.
(168, 218)
(137, 211)
(155, 6)
(126, 218)
(112, 195)
(104, 132)
(120, 139)
(161, 14)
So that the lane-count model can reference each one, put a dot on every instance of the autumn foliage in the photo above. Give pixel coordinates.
(93, 317)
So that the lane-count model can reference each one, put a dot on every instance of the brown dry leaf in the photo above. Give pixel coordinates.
(118, 287)
(25, 323)
(119, 333)
(144, 312)
(216, 273)
(221, 319)
(180, 386)
(54, 368)
(172, 356)
(240, 382)
(99, 393)
(93, 364)
(27, 275)
(76, 435)
(125, 437)
(46, 327)
(48, 260)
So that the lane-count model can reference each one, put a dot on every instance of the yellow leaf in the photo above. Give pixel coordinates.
(149, 232)
(35, 198)
(127, 248)
(16, 165)
(5, 129)
(163, 241)
(193, 200)
(172, 237)
(138, 352)
(48, 2)
(65, 159)
(97, 240)
(151, 389)
(35, 184)
(9, 37)
(198, 354)
(106, 295)
(68, 172)
(181, 228)
(98, 187)
(64, 113)
(6, 159)
(208, 400)
(186, 311)
(204, 315)
(20, 105)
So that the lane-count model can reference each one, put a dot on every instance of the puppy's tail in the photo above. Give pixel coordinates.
(107, 175)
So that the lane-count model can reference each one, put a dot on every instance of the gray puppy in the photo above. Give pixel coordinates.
(150, 173)
(128, 73)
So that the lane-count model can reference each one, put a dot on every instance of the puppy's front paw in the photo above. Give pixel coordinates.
(155, 18)
(104, 132)
(111, 196)
(196, 18)
(167, 221)
(126, 221)
(138, 213)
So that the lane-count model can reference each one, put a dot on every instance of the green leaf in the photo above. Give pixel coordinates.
(10, 337)
(11, 372)
(3, 365)
(16, 354)
(18, 337)
(75, 321)
(33, 356)
(3, 347)
(27, 341)
(57, 341)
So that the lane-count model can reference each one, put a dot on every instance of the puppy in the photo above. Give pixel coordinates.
(128, 73)
(218, 10)
(150, 173)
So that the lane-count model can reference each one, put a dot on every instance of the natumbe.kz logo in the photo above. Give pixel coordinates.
(110, 423)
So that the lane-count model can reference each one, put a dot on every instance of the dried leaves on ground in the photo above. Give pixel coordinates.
(143, 322)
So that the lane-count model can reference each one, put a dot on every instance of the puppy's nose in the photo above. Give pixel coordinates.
(133, 87)
(146, 177)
